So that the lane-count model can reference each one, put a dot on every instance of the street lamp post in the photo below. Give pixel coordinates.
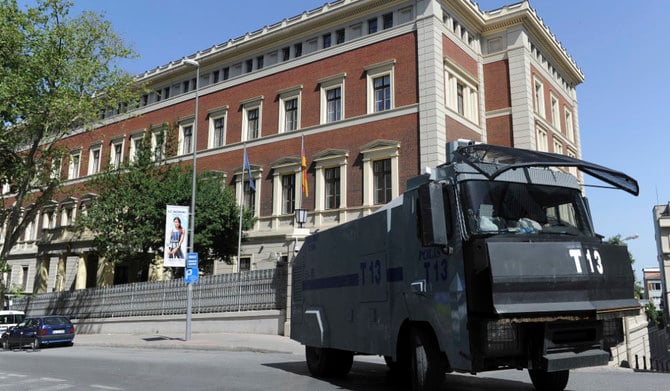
(194, 145)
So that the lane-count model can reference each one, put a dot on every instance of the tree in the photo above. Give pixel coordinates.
(638, 289)
(57, 74)
(127, 217)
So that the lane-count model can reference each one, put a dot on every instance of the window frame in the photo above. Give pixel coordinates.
(213, 116)
(375, 151)
(461, 93)
(285, 96)
(328, 84)
(134, 140)
(325, 160)
(94, 164)
(155, 133)
(286, 167)
(183, 127)
(249, 106)
(73, 172)
(538, 97)
(569, 124)
(554, 104)
(542, 136)
(256, 172)
(373, 73)
(116, 157)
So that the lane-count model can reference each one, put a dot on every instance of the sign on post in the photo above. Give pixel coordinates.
(191, 275)
(192, 260)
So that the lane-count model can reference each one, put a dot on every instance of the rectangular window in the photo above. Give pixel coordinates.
(372, 26)
(185, 86)
(166, 92)
(285, 53)
(382, 91)
(555, 117)
(24, 278)
(249, 65)
(332, 181)
(381, 170)
(249, 198)
(326, 40)
(461, 95)
(187, 140)
(55, 171)
(297, 49)
(460, 98)
(291, 114)
(252, 124)
(334, 104)
(245, 264)
(117, 155)
(558, 147)
(569, 129)
(215, 76)
(288, 193)
(539, 98)
(219, 131)
(542, 141)
(157, 145)
(135, 147)
(260, 62)
(387, 21)
(73, 169)
(226, 73)
(339, 36)
(94, 162)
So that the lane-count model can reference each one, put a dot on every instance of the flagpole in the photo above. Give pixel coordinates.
(302, 150)
(239, 232)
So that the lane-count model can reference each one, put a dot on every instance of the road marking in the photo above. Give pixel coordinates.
(105, 387)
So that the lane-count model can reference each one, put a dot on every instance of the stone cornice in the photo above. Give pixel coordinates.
(283, 31)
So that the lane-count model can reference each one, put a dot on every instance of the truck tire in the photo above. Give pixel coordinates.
(549, 381)
(325, 362)
(426, 370)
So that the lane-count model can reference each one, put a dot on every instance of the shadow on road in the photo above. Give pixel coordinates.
(365, 376)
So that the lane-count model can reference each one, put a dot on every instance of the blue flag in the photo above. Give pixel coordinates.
(247, 168)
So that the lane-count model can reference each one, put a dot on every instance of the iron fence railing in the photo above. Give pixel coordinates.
(253, 290)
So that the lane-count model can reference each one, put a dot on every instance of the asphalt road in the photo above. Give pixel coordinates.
(97, 368)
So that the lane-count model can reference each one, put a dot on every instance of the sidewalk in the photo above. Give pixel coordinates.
(260, 343)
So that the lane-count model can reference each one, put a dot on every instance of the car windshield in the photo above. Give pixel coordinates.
(55, 321)
(492, 207)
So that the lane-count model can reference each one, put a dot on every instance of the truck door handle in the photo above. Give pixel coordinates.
(419, 287)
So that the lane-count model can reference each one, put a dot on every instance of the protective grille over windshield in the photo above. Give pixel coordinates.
(493, 160)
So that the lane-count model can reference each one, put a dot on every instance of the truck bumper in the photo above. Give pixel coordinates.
(553, 362)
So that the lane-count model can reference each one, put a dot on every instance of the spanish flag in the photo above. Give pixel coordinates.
(303, 165)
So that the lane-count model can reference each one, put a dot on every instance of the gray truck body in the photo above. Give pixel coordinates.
(493, 255)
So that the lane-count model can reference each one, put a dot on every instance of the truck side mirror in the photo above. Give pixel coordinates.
(431, 215)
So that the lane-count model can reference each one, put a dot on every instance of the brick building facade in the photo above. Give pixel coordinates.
(376, 88)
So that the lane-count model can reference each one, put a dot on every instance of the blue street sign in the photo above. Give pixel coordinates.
(192, 260)
(191, 275)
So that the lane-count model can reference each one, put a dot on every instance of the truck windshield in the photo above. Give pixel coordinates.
(491, 207)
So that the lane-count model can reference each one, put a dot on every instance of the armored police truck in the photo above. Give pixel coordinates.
(489, 262)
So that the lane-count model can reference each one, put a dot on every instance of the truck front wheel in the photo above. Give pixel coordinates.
(324, 362)
(426, 370)
(549, 381)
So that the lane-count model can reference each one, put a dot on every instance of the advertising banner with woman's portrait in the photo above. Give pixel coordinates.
(176, 236)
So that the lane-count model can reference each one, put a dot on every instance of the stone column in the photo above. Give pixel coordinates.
(80, 279)
(42, 275)
(105, 273)
(60, 273)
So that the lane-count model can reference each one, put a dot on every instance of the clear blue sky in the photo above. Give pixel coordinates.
(619, 45)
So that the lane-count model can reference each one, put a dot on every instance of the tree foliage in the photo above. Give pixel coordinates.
(638, 290)
(127, 216)
(57, 74)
